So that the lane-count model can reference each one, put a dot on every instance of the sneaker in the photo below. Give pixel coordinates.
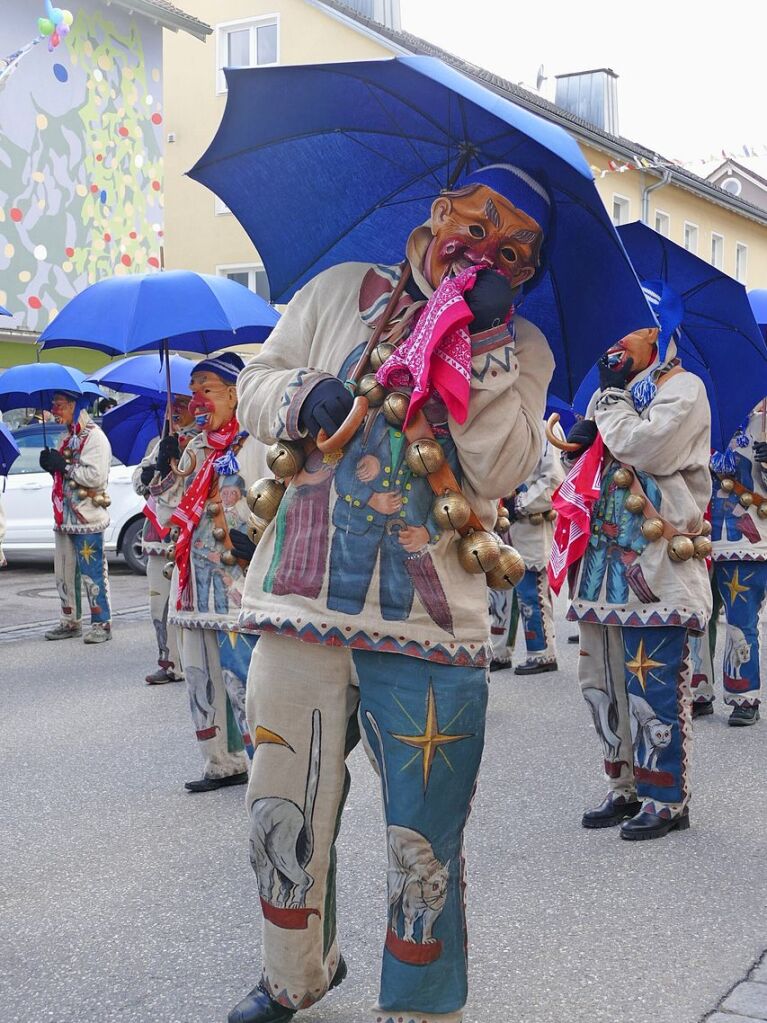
(743, 715)
(702, 708)
(97, 634)
(161, 676)
(64, 632)
(535, 667)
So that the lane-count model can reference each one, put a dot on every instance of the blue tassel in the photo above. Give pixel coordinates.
(643, 393)
(723, 463)
(227, 464)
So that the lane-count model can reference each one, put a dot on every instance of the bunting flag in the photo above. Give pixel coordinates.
(641, 163)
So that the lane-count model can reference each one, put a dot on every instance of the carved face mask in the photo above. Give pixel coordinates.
(478, 226)
(63, 409)
(640, 346)
(213, 402)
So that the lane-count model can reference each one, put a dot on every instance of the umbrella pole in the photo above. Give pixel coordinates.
(168, 397)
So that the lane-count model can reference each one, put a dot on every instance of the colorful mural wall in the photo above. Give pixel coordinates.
(81, 169)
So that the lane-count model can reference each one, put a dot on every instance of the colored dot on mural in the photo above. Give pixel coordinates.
(126, 260)
(128, 74)
(60, 72)
(88, 48)
(156, 118)
(40, 252)
(25, 276)
(133, 234)
(42, 122)
(69, 251)
(105, 62)
(9, 250)
(16, 215)
(123, 131)
(155, 74)
(2, 221)
(103, 195)
(67, 267)
(41, 204)
(34, 302)
(107, 237)
(149, 99)
(81, 190)
(94, 189)
(156, 186)
(98, 75)
(154, 261)
(139, 161)
(99, 157)
(38, 176)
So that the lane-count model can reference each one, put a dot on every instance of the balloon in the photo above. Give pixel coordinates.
(68, 18)
(63, 31)
(57, 15)
(54, 41)
(49, 9)
(45, 27)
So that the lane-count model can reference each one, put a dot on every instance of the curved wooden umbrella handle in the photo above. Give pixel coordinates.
(346, 430)
(184, 473)
(552, 438)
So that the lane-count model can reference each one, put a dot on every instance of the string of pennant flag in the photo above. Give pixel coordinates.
(639, 163)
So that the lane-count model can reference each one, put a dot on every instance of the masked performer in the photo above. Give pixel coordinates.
(641, 586)
(80, 470)
(155, 546)
(739, 520)
(359, 593)
(211, 555)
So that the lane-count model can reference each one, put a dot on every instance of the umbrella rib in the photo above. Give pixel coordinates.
(391, 117)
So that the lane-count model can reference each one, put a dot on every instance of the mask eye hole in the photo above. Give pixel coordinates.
(477, 231)
(509, 254)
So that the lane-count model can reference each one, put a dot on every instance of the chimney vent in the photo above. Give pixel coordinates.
(592, 96)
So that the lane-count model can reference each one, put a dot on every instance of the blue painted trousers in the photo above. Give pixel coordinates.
(423, 727)
(531, 601)
(742, 588)
(79, 560)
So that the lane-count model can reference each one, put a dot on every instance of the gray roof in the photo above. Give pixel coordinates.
(614, 145)
(168, 15)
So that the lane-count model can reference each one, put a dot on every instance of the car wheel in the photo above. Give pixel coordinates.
(131, 548)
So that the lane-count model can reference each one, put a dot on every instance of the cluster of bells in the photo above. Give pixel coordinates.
(680, 548)
(101, 499)
(746, 499)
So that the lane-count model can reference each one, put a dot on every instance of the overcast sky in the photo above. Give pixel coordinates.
(692, 82)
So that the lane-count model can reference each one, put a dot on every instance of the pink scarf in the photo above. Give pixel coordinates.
(437, 354)
(573, 500)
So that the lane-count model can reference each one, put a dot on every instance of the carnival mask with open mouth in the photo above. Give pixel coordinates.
(477, 226)
(639, 345)
(62, 409)
(213, 402)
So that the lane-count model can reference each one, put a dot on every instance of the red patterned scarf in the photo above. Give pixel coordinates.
(573, 500)
(191, 506)
(437, 355)
(57, 494)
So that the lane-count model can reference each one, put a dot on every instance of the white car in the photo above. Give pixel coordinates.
(29, 512)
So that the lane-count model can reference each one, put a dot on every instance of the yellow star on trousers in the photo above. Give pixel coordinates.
(87, 552)
(641, 665)
(735, 588)
(432, 739)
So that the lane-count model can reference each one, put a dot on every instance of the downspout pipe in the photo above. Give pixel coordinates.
(646, 195)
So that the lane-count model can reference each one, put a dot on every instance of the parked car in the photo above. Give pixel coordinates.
(29, 513)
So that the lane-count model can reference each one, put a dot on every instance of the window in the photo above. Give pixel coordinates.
(246, 44)
(31, 440)
(690, 237)
(741, 262)
(252, 277)
(717, 250)
(662, 223)
(621, 207)
(732, 185)
(220, 207)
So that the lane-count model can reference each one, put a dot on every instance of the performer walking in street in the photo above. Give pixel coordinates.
(641, 585)
(80, 470)
(357, 589)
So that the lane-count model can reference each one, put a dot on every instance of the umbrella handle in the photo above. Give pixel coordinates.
(328, 444)
(183, 474)
(552, 437)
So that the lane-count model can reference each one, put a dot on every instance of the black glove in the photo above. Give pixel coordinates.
(490, 300)
(760, 451)
(584, 433)
(510, 504)
(167, 449)
(147, 474)
(243, 547)
(52, 461)
(325, 407)
(617, 376)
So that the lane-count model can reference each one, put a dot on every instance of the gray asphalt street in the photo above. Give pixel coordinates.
(124, 899)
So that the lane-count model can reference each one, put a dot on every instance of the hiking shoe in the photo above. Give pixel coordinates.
(97, 634)
(64, 632)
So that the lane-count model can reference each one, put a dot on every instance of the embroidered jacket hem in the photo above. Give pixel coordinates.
(694, 619)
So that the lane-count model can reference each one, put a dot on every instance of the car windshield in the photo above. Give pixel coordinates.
(31, 441)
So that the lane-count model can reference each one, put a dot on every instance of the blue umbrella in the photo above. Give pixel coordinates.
(9, 450)
(144, 374)
(35, 384)
(340, 161)
(758, 302)
(566, 415)
(720, 340)
(4, 311)
(132, 426)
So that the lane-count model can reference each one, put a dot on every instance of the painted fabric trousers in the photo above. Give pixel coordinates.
(423, 727)
(79, 560)
(216, 671)
(168, 655)
(741, 588)
(531, 600)
(636, 682)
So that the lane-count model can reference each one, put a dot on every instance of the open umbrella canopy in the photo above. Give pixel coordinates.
(4, 311)
(145, 375)
(333, 162)
(758, 302)
(9, 450)
(177, 309)
(131, 427)
(35, 384)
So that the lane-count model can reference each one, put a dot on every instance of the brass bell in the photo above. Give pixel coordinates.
(213, 508)
(99, 500)
(229, 558)
(81, 493)
(761, 510)
(369, 388)
(106, 500)
(395, 407)
(67, 453)
(219, 533)
(705, 527)
(623, 477)
(746, 499)
(167, 569)
(635, 504)
(652, 529)
(479, 552)
(536, 518)
(451, 510)
(381, 353)
(255, 528)
(285, 458)
(424, 456)
(509, 570)
(174, 533)
(502, 523)
(550, 515)
(703, 547)
(264, 498)
(171, 551)
(680, 548)
(727, 485)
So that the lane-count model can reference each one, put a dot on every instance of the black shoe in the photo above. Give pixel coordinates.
(535, 667)
(743, 716)
(611, 811)
(650, 825)
(499, 665)
(211, 784)
(260, 1007)
(702, 709)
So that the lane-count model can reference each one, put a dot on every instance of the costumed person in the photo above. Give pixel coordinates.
(739, 534)
(641, 585)
(155, 546)
(359, 596)
(530, 532)
(80, 470)
(210, 555)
